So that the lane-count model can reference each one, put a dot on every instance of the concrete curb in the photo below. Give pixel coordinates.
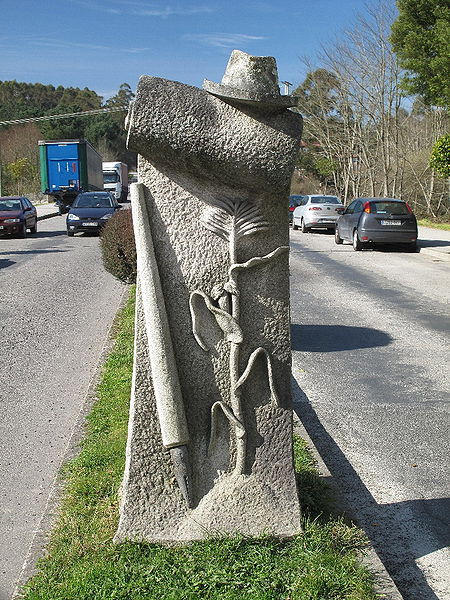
(384, 585)
(42, 217)
(42, 534)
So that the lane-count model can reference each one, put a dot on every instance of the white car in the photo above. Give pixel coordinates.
(317, 211)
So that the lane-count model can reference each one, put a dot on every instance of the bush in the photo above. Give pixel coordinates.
(440, 156)
(118, 247)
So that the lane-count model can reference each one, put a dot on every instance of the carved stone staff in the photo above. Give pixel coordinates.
(169, 400)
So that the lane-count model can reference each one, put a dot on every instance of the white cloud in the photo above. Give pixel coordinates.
(54, 43)
(168, 11)
(222, 40)
(107, 8)
(144, 9)
(134, 50)
(67, 43)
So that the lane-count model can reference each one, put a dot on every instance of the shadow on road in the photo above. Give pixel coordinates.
(47, 234)
(4, 262)
(388, 526)
(336, 338)
(36, 251)
(433, 243)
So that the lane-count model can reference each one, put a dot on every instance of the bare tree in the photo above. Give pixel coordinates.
(356, 111)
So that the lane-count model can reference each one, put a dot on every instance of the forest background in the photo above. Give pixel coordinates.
(374, 105)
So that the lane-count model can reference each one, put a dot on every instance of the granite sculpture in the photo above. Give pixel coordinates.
(210, 435)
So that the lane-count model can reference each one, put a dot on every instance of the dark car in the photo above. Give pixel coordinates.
(294, 201)
(369, 221)
(17, 214)
(90, 211)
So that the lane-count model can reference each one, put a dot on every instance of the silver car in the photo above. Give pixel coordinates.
(317, 211)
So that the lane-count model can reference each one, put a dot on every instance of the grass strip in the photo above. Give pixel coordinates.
(82, 563)
(434, 224)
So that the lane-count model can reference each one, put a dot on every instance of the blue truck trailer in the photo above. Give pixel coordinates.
(69, 167)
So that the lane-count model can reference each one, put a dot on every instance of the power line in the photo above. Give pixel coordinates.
(98, 111)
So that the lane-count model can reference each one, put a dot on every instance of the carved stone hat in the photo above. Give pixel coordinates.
(250, 80)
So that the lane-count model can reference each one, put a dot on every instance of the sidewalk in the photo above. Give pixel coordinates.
(434, 242)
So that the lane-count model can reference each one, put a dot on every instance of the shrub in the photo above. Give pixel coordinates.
(118, 247)
(440, 156)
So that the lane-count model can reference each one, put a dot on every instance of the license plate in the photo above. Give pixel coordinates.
(326, 221)
(90, 224)
(391, 222)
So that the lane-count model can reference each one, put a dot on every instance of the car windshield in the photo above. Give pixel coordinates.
(92, 201)
(110, 177)
(389, 208)
(325, 200)
(10, 205)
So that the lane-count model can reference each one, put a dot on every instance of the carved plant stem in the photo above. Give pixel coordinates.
(231, 219)
(235, 391)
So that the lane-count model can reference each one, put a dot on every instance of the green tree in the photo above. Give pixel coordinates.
(318, 94)
(440, 156)
(421, 39)
(71, 100)
(19, 171)
(110, 128)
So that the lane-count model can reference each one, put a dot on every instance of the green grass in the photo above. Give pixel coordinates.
(83, 563)
(434, 224)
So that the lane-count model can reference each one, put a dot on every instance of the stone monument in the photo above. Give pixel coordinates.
(210, 435)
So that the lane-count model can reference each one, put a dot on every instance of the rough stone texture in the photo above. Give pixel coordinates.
(199, 158)
(251, 80)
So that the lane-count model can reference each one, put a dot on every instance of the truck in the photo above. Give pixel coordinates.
(69, 167)
(115, 179)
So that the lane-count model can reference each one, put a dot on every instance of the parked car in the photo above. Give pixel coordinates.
(377, 221)
(17, 214)
(90, 211)
(317, 211)
(294, 201)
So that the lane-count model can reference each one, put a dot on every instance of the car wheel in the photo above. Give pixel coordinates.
(337, 237)
(34, 229)
(294, 226)
(412, 247)
(304, 228)
(70, 233)
(23, 232)
(357, 244)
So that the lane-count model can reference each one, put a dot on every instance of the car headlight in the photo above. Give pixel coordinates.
(107, 216)
(11, 221)
(71, 217)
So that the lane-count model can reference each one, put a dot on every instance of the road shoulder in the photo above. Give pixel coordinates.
(42, 533)
(383, 582)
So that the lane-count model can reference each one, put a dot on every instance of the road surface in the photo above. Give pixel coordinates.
(371, 359)
(56, 307)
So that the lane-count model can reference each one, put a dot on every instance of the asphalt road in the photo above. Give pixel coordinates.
(371, 362)
(56, 307)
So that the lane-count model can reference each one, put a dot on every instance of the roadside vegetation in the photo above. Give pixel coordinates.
(119, 248)
(83, 563)
(370, 128)
(434, 224)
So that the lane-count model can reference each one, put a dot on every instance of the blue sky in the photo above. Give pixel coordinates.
(100, 44)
